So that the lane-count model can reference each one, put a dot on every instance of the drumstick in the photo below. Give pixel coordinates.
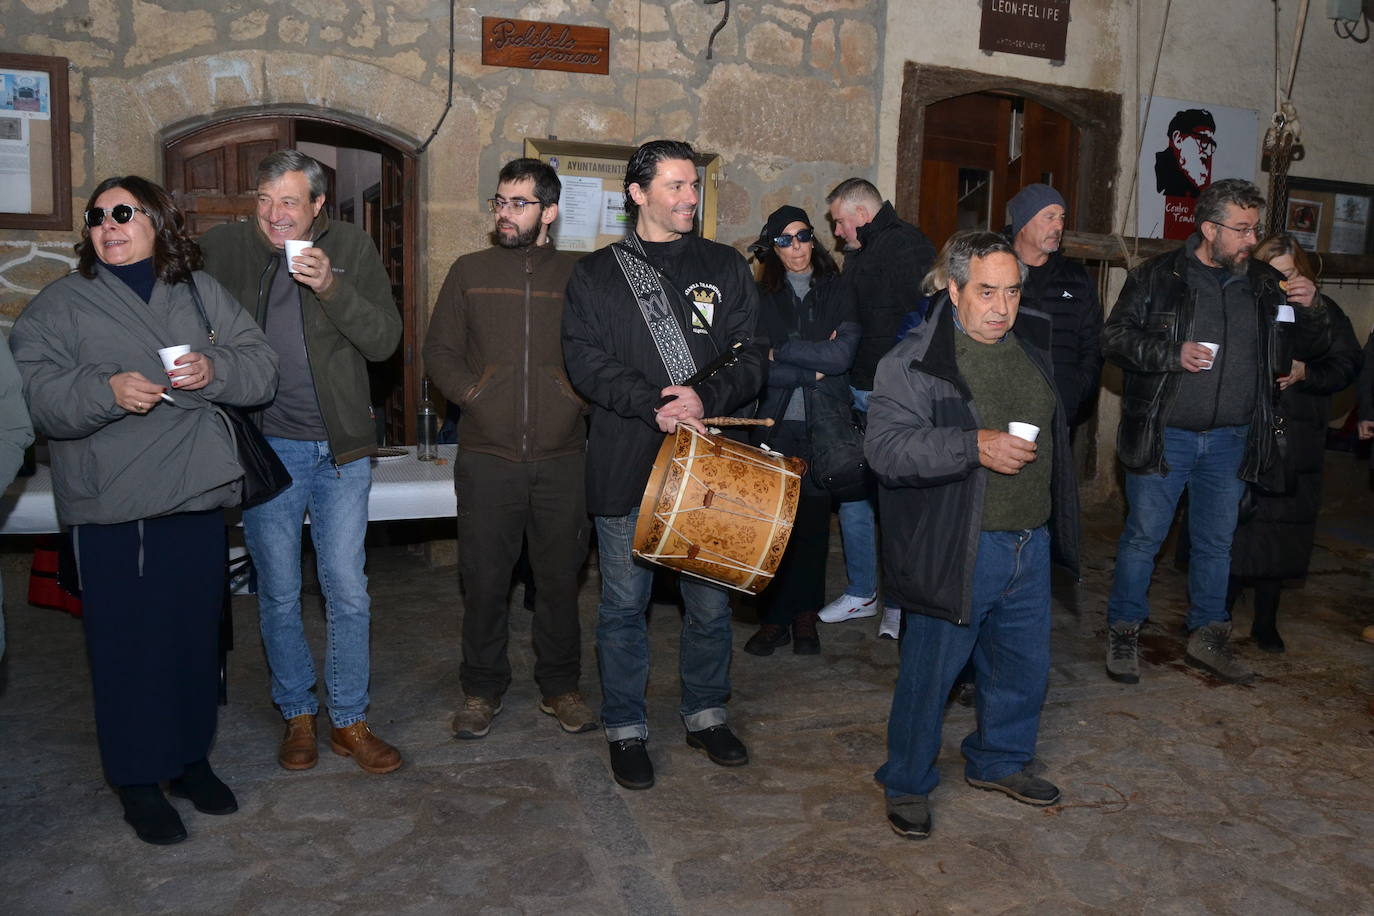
(737, 421)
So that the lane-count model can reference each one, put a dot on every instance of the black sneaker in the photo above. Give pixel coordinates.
(909, 816)
(630, 764)
(1025, 788)
(770, 636)
(720, 744)
(205, 790)
(153, 818)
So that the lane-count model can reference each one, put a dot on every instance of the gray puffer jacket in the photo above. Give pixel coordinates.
(109, 465)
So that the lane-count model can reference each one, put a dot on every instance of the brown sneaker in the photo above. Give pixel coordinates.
(473, 718)
(298, 749)
(367, 750)
(572, 712)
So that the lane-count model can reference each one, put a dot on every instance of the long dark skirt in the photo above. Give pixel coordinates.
(151, 606)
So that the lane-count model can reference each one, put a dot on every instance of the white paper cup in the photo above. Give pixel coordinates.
(170, 355)
(293, 249)
(1214, 347)
(1286, 314)
(1027, 431)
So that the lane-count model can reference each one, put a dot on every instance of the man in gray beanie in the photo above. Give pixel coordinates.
(1062, 290)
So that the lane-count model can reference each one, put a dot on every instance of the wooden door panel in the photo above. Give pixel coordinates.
(210, 173)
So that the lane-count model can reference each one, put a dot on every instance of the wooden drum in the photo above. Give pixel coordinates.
(719, 510)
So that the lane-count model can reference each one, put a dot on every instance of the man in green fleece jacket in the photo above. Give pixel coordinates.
(494, 349)
(326, 313)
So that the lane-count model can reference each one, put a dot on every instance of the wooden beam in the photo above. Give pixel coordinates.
(1092, 246)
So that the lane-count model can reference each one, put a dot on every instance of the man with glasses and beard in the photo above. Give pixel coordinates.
(494, 350)
(1193, 332)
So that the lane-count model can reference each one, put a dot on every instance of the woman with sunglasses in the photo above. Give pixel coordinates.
(143, 464)
(1275, 542)
(808, 318)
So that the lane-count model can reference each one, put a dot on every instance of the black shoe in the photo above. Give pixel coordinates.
(805, 639)
(153, 818)
(720, 744)
(909, 816)
(630, 764)
(1025, 788)
(205, 790)
(769, 637)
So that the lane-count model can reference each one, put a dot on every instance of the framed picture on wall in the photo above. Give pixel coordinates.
(1188, 145)
(35, 143)
(1331, 216)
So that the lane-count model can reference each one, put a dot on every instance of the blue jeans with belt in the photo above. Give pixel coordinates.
(1207, 464)
(1008, 638)
(622, 639)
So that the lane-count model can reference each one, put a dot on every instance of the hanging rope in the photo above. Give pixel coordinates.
(1129, 256)
(1283, 139)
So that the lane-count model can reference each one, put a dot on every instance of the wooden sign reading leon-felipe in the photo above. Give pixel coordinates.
(545, 45)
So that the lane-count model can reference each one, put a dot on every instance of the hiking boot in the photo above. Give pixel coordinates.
(891, 627)
(571, 711)
(368, 751)
(849, 607)
(473, 718)
(1122, 663)
(1209, 649)
(299, 749)
(1025, 788)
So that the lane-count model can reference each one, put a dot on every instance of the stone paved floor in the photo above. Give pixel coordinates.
(1181, 795)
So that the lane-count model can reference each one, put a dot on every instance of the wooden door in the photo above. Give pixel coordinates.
(980, 149)
(393, 386)
(210, 173)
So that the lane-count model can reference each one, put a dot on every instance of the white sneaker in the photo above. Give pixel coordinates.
(849, 607)
(891, 627)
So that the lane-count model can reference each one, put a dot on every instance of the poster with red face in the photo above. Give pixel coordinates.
(1188, 145)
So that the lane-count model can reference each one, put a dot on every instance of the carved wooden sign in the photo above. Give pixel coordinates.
(1035, 28)
(545, 45)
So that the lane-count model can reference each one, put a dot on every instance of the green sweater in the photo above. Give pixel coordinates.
(1007, 387)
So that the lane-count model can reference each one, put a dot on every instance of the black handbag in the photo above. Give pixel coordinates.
(264, 475)
(1279, 475)
(837, 462)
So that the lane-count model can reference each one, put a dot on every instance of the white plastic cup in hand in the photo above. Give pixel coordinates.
(170, 355)
(1027, 431)
(1213, 347)
(1286, 314)
(294, 248)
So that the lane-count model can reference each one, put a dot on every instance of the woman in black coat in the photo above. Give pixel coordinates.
(808, 318)
(1275, 543)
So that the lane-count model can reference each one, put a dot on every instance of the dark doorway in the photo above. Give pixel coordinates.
(209, 170)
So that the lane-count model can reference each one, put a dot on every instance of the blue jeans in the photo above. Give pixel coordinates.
(1207, 464)
(337, 500)
(1008, 638)
(622, 639)
(858, 533)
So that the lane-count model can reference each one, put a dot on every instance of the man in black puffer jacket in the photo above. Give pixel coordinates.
(1061, 289)
(886, 258)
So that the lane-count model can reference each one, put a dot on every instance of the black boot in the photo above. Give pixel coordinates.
(205, 790)
(805, 639)
(1265, 630)
(770, 636)
(152, 817)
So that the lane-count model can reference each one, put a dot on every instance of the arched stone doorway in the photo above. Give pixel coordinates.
(209, 168)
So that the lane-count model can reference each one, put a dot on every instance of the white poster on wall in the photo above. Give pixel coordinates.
(1189, 145)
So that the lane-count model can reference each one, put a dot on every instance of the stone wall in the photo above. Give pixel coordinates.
(790, 98)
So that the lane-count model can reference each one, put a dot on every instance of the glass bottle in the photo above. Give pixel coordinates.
(426, 426)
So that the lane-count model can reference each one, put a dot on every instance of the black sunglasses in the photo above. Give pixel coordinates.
(785, 241)
(120, 213)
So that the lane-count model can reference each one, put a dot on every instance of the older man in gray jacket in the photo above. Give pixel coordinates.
(972, 513)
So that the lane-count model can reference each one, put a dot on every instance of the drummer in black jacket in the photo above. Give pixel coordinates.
(640, 317)
(807, 315)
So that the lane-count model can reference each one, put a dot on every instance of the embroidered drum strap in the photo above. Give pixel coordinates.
(653, 305)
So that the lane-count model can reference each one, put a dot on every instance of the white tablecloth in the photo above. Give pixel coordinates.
(401, 488)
